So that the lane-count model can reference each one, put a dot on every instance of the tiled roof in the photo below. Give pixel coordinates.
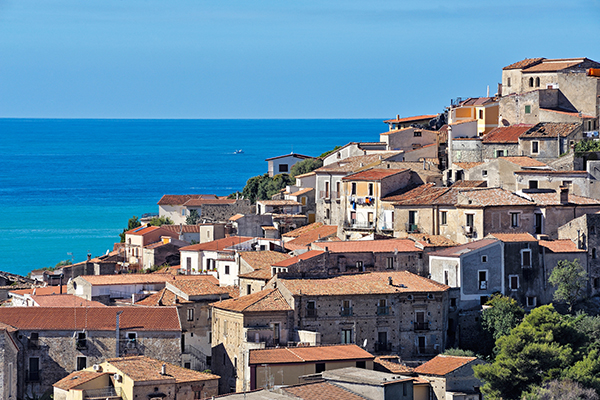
(173, 242)
(555, 65)
(302, 191)
(513, 237)
(506, 134)
(265, 300)
(263, 274)
(217, 245)
(528, 62)
(305, 175)
(41, 291)
(142, 368)
(180, 199)
(142, 230)
(288, 155)
(393, 367)
(410, 119)
(432, 240)
(321, 390)
(357, 163)
(293, 260)
(369, 246)
(363, 284)
(469, 184)
(464, 121)
(422, 193)
(91, 318)
(64, 300)
(303, 229)
(134, 279)
(206, 285)
(550, 130)
(458, 251)
(552, 198)
(308, 354)
(163, 297)
(262, 259)
(561, 246)
(493, 197)
(373, 174)
(279, 202)
(442, 365)
(571, 113)
(236, 217)
(549, 172)
(467, 165)
(201, 202)
(476, 101)
(322, 232)
(524, 161)
(77, 378)
(182, 228)
(268, 228)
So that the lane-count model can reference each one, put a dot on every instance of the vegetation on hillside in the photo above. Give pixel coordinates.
(132, 223)
(570, 280)
(305, 166)
(159, 221)
(263, 187)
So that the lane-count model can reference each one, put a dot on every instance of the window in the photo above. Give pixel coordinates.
(446, 279)
(417, 134)
(276, 333)
(346, 336)
(539, 217)
(483, 300)
(484, 173)
(535, 147)
(346, 308)
(483, 279)
(311, 308)
(303, 200)
(480, 114)
(508, 82)
(453, 302)
(526, 258)
(444, 217)
(360, 266)
(81, 363)
(530, 82)
(283, 168)
(225, 328)
(182, 213)
(33, 340)
(499, 153)
(361, 364)
(337, 190)
(382, 307)
(33, 373)
(248, 289)
(531, 301)
(327, 215)
(190, 314)
(227, 270)
(514, 219)
(470, 221)
(370, 218)
(81, 340)
(326, 190)
(483, 259)
(382, 341)
(513, 282)
(353, 186)
(131, 337)
(537, 82)
(528, 109)
(370, 189)
(594, 253)
(533, 184)
(319, 367)
(389, 263)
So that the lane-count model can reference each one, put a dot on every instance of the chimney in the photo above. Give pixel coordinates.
(163, 369)
(390, 281)
(89, 256)
(564, 195)
(397, 116)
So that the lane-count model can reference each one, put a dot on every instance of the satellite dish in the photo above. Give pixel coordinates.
(365, 343)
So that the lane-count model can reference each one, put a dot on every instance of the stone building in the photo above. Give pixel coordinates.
(301, 238)
(55, 341)
(394, 311)
(283, 164)
(503, 141)
(452, 377)
(547, 141)
(208, 206)
(137, 239)
(401, 123)
(407, 139)
(9, 353)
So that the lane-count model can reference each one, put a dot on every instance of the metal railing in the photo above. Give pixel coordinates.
(421, 326)
(311, 313)
(33, 376)
(383, 346)
(346, 311)
(383, 310)
(101, 393)
(411, 228)
(359, 225)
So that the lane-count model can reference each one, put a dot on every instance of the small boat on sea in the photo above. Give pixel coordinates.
(240, 151)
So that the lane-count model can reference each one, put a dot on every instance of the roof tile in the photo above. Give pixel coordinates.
(442, 365)
(308, 354)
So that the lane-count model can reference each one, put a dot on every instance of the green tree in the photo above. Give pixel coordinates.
(159, 221)
(503, 314)
(250, 191)
(458, 352)
(322, 156)
(132, 223)
(63, 263)
(565, 389)
(193, 218)
(305, 166)
(570, 280)
(537, 350)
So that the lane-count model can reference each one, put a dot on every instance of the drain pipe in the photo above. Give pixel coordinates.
(117, 330)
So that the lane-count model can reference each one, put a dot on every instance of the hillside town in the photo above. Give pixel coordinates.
(371, 274)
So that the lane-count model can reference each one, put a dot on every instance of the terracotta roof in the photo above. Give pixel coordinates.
(357, 163)
(268, 228)
(321, 391)
(528, 62)
(201, 202)
(163, 297)
(142, 368)
(571, 113)
(236, 217)
(552, 198)
(432, 240)
(458, 251)
(463, 121)
(493, 197)
(207, 285)
(469, 184)
(91, 318)
(77, 378)
(288, 155)
(180, 199)
(41, 291)
(476, 101)
(513, 237)
(363, 284)
(410, 119)
(279, 202)
(549, 172)
(184, 228)
(555, 65)
(369, 246)
(524, 161)
(322, 232)
(302, 191)
(262, 259)
(467, 165)
(265, 300)
(373, 174)
(442, 365)
(423, 191)
(263, 274)
(134, 279)
(308, 354)
(506, 134)
(393, 367)
(303, 229)
(217, 245)
(561, 246)
(550, 130)
(293, 260)
(305, 175)
(64, 300)
(173, 243)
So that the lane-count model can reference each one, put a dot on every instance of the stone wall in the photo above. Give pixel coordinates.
(8, 369)
(222, 212)
(466, 150)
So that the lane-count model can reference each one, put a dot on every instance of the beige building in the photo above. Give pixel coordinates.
(484, 110)
(451, 377)
(137, 239)
(136, 378)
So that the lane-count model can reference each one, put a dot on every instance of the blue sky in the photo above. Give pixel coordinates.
(272, 59)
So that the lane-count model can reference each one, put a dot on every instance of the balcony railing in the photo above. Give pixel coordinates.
(412, 228)
(421, 326)
(323, 194)
(383, 310)
(383, 347)
(311, 312)
(102, 393)
(33, 375)
(427, 350)
(359, 225)
(346, 311)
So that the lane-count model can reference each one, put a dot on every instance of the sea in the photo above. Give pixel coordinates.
(68, 186)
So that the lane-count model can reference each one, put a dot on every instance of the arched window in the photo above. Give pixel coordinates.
(530, 82)
(537, 82)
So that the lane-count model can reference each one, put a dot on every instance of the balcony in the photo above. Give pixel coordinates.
(311, 313)
(469, 231)
(381, 347)
(383, 310)
(33, 375)
(108, 392)
(131, 347)
(346, 311)
(421, 326)
(327, 195)
(411, 228)
(354, 224)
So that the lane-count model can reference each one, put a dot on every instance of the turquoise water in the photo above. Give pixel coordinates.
(69, 185)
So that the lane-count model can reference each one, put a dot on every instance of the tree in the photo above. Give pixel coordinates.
(132, 223)
(565, 389)
(263, 187)
(458, 353)
(193, 218)
(63, 263)
(322, 156)
(570, 280)
(159, 221)
(503, 314)
(305, 166)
